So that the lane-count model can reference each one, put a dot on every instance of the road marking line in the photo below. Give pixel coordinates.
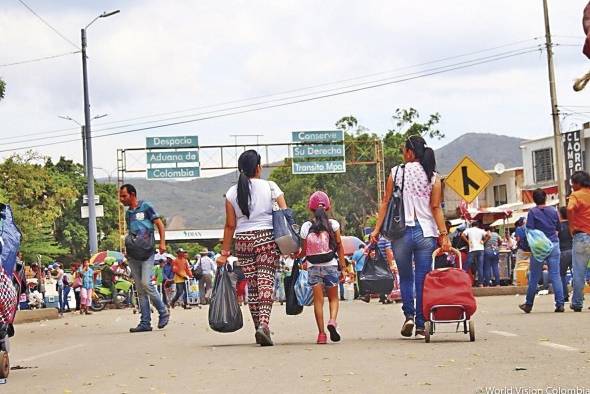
(503, 333)
(51, 353)
(559, 347)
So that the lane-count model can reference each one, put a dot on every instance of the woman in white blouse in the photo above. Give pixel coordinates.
(424, 219)
(248, 220)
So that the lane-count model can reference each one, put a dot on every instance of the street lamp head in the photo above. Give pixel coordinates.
(107, 14)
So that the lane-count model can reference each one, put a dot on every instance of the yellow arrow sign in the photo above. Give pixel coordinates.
(468, 179)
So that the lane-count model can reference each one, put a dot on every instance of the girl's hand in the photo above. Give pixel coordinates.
(342, 266)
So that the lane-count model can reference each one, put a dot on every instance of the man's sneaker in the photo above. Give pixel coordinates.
(575, 308)
(263, 336)
(559, 309)
(140, 328)
(526, 308)
(408, 327)
(365, 298)
(163, 320)
(419, 334)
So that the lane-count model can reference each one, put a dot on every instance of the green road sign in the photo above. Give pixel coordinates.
(168, 173)
(191, 141)
(158, 156)
(319, 167)
(318, 136)
(320, 150)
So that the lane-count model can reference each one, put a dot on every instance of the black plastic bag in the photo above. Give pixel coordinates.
(376, 276)
(225, 314)
(292, 307)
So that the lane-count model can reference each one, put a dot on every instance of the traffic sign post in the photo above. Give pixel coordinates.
(309, 146)
(186, 161)
(468, 179)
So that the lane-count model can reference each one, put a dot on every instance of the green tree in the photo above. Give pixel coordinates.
(38, 199)
(354, 193)
(2, 88)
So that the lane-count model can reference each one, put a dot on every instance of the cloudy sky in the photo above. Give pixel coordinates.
(161, 61)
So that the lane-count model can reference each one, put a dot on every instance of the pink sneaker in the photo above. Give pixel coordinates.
(332, 327)
(322, 338)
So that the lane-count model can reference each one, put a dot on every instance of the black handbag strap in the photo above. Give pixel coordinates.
(403, 167)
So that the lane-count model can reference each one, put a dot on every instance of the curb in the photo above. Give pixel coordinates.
(35, 315)
(499, 291)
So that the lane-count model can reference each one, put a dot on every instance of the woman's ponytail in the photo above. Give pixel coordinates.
(428, 162)
(247, 164)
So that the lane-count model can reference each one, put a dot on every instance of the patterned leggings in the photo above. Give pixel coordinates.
(259, 256)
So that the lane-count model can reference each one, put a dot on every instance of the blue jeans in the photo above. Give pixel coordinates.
(413, 255)
(491, 265)
(565, 264)
(142, 272)
(581, 255)
(478, 256)
(60, 298)
(536, 270)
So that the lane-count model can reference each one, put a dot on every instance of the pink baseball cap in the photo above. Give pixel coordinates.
(318, 199)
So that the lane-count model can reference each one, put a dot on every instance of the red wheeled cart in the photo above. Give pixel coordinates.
(448, 298)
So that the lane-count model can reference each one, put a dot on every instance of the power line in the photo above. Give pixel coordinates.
(38, 59)
(278, 93)
(352, 86)
(282, 104)
(48, 25)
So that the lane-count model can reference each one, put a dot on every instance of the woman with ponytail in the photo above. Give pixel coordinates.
(322, 245)
(424, 220)
(248, 208)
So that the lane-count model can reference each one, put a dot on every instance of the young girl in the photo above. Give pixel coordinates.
(322, 245)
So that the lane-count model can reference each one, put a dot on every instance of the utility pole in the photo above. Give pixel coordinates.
(92, 234)
(84, 160)
(554, 110)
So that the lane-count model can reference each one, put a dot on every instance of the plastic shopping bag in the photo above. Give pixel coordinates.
(303, 290)
(541, 246)
(8, 299)
(225, 314)
(376, 276)
(292, 306)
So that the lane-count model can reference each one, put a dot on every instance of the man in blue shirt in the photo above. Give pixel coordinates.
(359, 258)
(141, 217)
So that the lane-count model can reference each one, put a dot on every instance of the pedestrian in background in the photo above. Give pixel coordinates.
(492, 258)
(424, 221)
(522, 250)
(59, 286)
(546, 219)
(141, 217)
(208, 269)
(248, 207)
(578, 213)
(565, 246)
(182, 273)
(76, 283)
(87, 275)
(476, 237)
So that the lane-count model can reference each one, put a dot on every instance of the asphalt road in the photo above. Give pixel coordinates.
(97, 354)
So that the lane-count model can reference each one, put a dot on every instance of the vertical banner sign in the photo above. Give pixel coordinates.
(574, 158)
(318, 152)
(171, 157)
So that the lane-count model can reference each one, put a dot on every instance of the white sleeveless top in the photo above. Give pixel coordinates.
(417, 191)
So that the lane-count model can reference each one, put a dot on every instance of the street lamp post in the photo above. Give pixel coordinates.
(92, 236)
(83, 138)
